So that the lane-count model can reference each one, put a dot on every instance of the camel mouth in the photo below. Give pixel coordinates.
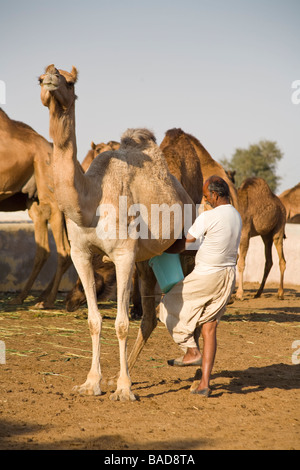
(50, 86)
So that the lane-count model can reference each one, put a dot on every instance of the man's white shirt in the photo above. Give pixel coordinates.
(218, 232)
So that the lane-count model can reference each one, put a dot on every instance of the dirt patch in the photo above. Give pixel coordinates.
(255, 382)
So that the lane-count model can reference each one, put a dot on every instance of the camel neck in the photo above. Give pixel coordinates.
(69, 180)
(205, 157)
(62, 127)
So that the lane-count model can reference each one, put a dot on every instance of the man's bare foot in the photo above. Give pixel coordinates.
(191, 358)
(192, 355)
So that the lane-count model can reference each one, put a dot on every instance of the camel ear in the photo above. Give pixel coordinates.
(50, 69)
(74, 74)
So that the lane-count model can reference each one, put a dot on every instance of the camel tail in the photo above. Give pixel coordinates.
(137, 137)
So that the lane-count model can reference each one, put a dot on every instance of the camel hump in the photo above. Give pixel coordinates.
(255, 182)
(175, 133)
(137, 137)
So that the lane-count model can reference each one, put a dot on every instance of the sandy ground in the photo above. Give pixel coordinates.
(255, 382)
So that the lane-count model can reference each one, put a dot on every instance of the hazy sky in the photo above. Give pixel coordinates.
(221, 70)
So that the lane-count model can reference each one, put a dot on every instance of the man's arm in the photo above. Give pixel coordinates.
(181, 244)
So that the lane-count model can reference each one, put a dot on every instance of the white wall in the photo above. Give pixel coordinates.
(255, 259)
(17, 249)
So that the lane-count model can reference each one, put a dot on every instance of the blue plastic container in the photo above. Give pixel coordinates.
(167, 269)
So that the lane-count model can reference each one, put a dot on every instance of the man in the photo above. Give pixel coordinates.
(200, 300)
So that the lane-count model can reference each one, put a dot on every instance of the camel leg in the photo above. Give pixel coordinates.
(42, 251)
(268, 241)
(64, 261)
(83, 264)
(244, 245)
(136, 311)
(278, 242)
(149, 321)
(124, 269)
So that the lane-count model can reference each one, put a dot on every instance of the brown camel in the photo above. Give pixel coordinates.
(262, 214)
(111, 177)
(291, 201)
(231, 175)
(183, 162)
(26, 183)
(209, 166)
(105, 284)
(16, 163)
(96, 149)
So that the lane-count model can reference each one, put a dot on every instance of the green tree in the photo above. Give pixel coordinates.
(258, 160)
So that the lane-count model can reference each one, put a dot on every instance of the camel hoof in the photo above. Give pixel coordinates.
(43, 304)
(239, 296)
(87, 389)
(122, 395)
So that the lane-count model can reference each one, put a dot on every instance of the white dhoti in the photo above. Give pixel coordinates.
(196, 300)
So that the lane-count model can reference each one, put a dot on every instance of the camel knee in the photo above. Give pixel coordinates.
(122, 328)
(42, 255)
(241, 264)
(282, 265)
(95, 325)
(64, 261)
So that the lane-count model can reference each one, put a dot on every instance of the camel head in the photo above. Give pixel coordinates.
(58, 85)
(99, 148)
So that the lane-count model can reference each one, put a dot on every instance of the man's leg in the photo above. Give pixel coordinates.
(209, 334)
(193, 353)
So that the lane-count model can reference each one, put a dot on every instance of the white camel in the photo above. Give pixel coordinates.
(137, 171)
